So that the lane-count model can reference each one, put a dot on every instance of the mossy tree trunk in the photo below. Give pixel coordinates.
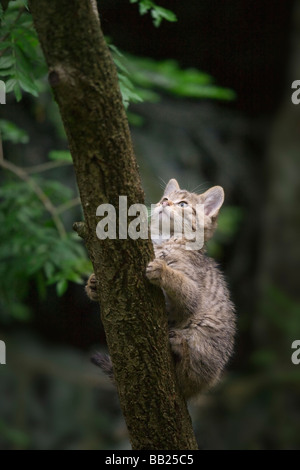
(85, 85)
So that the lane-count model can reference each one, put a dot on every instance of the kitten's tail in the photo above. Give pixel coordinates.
(104, 362)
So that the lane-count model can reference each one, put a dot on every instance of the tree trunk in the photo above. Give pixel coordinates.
(85, 85)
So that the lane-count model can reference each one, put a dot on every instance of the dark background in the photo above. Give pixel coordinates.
(244, 45)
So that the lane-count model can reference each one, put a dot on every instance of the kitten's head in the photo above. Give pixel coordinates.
(178, 207)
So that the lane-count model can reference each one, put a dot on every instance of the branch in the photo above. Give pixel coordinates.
(68, 205)
(22, 174)
(46, 166)
(84, 80)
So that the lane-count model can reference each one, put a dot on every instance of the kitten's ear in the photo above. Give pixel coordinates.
(213, 199)
(171, 187)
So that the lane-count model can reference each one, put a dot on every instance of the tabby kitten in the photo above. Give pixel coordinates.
(200, 313)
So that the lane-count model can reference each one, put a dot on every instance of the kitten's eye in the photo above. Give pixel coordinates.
(182, 204)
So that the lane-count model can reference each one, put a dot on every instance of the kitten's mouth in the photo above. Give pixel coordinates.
(163, 210)
(162, 213)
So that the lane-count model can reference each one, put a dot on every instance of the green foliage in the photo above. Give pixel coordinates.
(31, 251)
(158, 13)
(60, 155)
(21, 62)
(9, 131)
(13, 436)
(142, 78)
(167, 76)
(282, 312)
(229, 220)
(130, 92)
(23, 68)
(37, 250)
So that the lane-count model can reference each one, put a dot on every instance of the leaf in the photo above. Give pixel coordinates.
(144, 7)
(7, 73)
(17, 91)
(135, 119)
(27, 84)
(116, 50)
(25, 2)
(127, 91)
(20, 312)
(5, 45)
(15, 5)
(74, 277)
(159, 13)
(61, 287)
(62, 155)
(120, 66)
(13, 133)
(168, 76)
(49, 269)
(28, 53)
(6, 62)
(25, 62)
(9, 85)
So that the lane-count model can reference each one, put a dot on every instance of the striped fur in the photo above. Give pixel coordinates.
(200, 313)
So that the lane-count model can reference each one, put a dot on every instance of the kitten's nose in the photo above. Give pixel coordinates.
(167, 203)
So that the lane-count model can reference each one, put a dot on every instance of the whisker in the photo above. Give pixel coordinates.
(200, 187)
(162, 184)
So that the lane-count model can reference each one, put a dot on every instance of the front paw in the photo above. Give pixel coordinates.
(91, 288)
(155, 270)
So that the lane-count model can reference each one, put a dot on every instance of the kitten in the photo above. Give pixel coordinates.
(200, 313)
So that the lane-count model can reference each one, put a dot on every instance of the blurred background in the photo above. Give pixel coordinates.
(210, 104)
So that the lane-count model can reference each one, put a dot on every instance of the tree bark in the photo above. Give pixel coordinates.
(4, 4)
(85, 85)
